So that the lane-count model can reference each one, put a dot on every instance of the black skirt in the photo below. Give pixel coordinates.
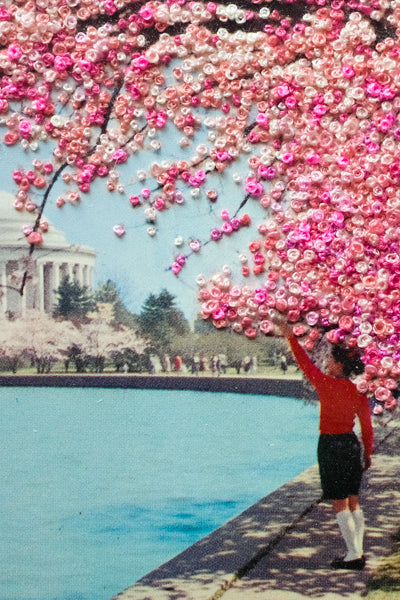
(340, 468)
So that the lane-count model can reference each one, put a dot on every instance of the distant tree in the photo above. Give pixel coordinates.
(12, 344)
(100, 341)
(36, 337)
(108, 293)
(202, 326)
(161, 321)
(78, 357)
(46, 340)
(74, 301)
(135, 362)
(186, 346)
(227, 342)
(208, 341)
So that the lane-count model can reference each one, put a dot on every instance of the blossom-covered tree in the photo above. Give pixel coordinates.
(100, 341)
(38, 337)
(46, 341)
(305, 93)
(12, 343)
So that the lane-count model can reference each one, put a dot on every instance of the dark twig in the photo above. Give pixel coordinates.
(38, 219)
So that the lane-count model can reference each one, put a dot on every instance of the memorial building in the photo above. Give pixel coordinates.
(51, 261)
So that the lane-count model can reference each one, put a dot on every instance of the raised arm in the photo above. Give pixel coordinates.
(311, 372)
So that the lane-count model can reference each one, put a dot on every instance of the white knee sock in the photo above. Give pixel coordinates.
(359, 523)
(348, 530)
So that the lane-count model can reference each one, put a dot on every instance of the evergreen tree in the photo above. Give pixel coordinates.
(74, 301)
(161, 321)
(108, 293)
(201, 326)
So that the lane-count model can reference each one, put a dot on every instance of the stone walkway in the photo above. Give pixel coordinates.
(298, 567)
(281, 548)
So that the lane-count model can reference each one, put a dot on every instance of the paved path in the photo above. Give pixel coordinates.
(281, 548)
(298, 567)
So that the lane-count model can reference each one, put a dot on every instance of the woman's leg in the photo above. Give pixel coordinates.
(354, 503)
(344, 518)
(337, 458)
(359, 522)
(339, 505)
(351, 527)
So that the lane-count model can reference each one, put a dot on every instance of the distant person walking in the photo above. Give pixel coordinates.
(246, 364)
(177, 363)
(166, 363)
(155, 364)
(196, 364)
(339, 451)
(203, 363)
(223, 363)
(283, 363)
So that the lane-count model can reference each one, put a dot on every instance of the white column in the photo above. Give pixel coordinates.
(40, 286)
(57, 277)
(52, 286)
(55, 281)
(63, 271)
(3, 289)
(90, 278)
(48, 287)
(78, 273)
(85, 275)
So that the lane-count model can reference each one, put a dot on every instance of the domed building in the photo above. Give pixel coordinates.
(51, 261)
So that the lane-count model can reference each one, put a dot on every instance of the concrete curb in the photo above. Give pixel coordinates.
(293, 388)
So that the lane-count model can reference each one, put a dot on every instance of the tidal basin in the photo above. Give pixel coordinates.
(100, 486)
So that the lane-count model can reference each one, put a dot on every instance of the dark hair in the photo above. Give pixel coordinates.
(350, 360)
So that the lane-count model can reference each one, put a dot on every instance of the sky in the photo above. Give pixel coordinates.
(137, 263)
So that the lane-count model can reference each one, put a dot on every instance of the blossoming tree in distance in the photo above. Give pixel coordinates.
(307, 93)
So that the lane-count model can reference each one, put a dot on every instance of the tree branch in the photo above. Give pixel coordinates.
(38, 218)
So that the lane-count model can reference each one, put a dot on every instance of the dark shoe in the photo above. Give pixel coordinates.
(353, 565)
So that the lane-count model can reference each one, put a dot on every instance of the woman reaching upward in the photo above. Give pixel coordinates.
(339, 451)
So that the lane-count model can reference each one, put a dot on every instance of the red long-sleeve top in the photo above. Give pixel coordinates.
(340, 401)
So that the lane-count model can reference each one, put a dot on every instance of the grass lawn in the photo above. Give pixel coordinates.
(262, 372)
(385, 583)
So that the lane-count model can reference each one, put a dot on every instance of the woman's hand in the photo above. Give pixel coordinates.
(367, 462)
(286, 329)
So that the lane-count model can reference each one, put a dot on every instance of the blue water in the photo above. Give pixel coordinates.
(100, 486)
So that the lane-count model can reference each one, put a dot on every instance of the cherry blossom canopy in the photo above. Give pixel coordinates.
(307, 92)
